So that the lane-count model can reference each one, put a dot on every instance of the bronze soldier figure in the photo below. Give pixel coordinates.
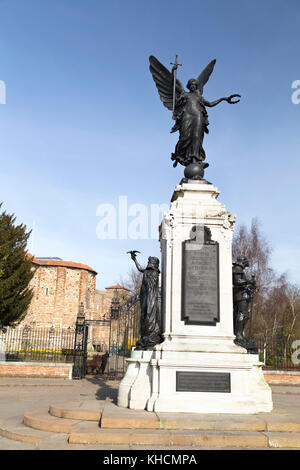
(243, 291)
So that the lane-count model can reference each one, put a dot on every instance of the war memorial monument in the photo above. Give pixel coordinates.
(192, 355)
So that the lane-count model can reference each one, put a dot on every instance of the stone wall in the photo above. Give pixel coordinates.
(42, 370)
(282, 377)
(99, 335)
(103, 299)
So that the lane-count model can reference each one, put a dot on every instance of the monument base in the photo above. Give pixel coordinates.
(198, 368)
(200, 382)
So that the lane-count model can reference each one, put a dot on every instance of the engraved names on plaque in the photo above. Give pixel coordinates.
(200, 278)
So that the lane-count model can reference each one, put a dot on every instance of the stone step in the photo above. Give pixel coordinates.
(83, 410)
(115, 417)
(111, 416)
(89, 433)
(169, 438)
(41, 419)
(14, 429)
(284, 440)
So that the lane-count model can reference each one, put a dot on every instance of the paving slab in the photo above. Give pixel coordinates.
(31, 382)
(8, 444)
(13, 428)
(286, 389)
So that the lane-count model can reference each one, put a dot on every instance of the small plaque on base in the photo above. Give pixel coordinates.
(203, 382)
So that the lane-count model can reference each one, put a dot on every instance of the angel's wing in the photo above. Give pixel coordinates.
(205, 74)
(163, 79)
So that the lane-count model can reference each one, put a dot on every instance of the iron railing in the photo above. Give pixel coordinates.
(32, 344)
(278, 354)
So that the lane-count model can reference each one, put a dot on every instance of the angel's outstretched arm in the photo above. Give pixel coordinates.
(213, 103)
(228, 99)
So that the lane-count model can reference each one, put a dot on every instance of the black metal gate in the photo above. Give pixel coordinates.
(80, 346)
(124, 333)
(124, 327)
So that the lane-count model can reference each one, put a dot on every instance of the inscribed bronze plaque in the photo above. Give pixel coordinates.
(203, 382)
(200, 279)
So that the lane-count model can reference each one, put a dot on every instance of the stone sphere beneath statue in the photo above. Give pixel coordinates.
(195, 171)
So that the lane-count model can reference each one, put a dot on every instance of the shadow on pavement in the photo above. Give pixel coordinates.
(107, 388)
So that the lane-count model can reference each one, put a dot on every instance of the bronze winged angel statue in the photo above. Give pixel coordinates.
(189, 113)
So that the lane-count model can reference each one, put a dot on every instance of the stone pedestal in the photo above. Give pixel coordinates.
(136, 387)
(197, 368)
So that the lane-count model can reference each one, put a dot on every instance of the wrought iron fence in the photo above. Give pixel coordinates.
(278, 354)
(124, 333)
(37, 344)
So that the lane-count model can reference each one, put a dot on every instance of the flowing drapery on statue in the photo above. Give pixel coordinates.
(189, 112)
(149, 330)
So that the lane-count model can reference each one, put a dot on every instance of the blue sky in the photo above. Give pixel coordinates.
(83, 123)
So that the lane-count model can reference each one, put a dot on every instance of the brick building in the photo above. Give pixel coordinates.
(59, 288)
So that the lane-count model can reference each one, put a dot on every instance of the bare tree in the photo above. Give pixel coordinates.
(293, 310)
(253, 244)
(271, 308)
(132, 281)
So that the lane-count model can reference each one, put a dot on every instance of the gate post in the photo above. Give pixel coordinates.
(80, 345)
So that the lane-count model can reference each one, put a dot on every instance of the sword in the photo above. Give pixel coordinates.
(174, 69)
